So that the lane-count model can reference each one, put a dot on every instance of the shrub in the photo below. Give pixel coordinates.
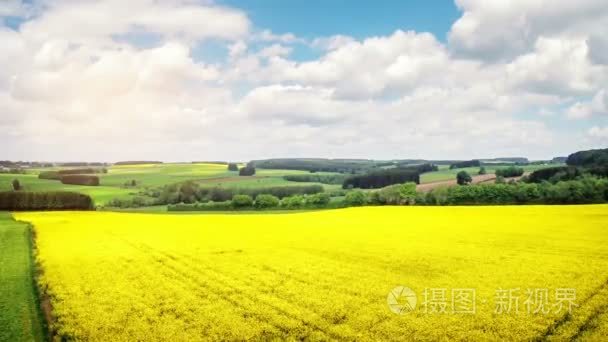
(293, 202)
(395, 194)
(463, 178)
(16, 185)
(176, 193)
(80, 180)
(242, 201)
(188, 192)
(482, 171)
(265, 201)
(318, 200)
(511, 171)
(355, 198)
(233, 167)
(131, 183)
(56, 200)
(208, 206)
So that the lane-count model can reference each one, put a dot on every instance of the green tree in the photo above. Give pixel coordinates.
(407, 193)
(355, 198)
(482, 171)
(233, 167)
(248, 170)
(16, 185)
(463, 178)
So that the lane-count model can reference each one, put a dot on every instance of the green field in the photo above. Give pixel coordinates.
(20, 319)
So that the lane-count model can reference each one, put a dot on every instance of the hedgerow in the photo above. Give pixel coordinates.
(54, 200)
(80, 180)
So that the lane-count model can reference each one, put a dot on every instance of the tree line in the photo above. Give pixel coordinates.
(52, 200)
(511, 171)
(463, 164)
(316, 178)
(191, 192)
(385, 177)
(83, 176)
(260, 202)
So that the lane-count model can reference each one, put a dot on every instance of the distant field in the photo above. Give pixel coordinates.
(445, 173)
(207, 175)
(112, 183)
(326, 275)
(161, 174)
(30, 182)
(20, 319)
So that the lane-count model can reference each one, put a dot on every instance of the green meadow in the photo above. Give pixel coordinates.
(20, 319)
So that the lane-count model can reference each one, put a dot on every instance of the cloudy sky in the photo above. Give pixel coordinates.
(188, 80)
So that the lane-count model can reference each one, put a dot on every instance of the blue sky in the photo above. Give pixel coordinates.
(359, 19)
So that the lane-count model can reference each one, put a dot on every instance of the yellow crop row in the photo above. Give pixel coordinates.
(326, 275)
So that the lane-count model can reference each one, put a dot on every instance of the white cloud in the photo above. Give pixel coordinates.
(402, 95)
(88, 22)
(237, 49)
(596, 137)
(556, 66)
(498, 30)
(274, 50)
(333, 42)
(600, 133)
(373, 67)
(294, 104)
(269, 36)
(597, 106)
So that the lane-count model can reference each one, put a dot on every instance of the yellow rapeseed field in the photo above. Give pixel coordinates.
(476, 273)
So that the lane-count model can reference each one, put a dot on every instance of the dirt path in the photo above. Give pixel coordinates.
(476, 179)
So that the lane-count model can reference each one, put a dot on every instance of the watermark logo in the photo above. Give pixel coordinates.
(401, 300)
(531, 301)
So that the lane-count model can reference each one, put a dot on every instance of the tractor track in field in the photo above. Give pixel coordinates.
(595, 307)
